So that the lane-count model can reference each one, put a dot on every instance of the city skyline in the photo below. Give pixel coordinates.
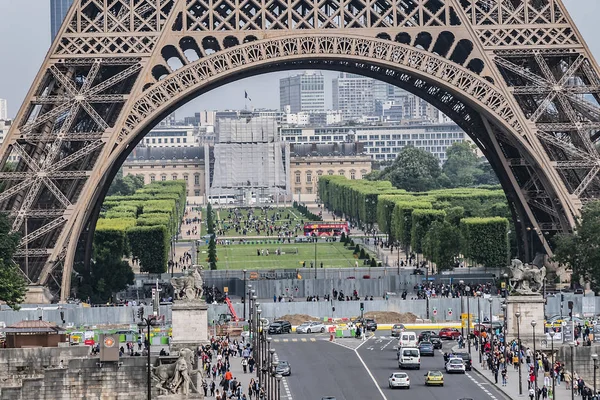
(17, 75)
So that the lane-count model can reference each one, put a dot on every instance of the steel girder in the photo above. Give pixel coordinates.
(516, 75)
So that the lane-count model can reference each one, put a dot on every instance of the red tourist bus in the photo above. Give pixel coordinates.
(321, 228)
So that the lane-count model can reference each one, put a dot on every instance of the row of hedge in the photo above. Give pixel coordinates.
(141, 225)
(479, 214)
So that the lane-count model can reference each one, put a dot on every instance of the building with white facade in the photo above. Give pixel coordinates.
(170, 136)
(302, 93)
(353, 95)
(383, 142)
(3, 110)
(315, 119)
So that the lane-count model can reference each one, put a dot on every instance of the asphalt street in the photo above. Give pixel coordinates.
(353, 370)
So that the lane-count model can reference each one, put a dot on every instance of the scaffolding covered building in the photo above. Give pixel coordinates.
(248, 163)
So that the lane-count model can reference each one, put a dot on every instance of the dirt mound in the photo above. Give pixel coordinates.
(391, 317)
(297, 319)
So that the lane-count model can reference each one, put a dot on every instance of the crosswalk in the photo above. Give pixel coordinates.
(294, 340)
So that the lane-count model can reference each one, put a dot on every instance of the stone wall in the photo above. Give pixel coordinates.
(582, 361)
(81, 379)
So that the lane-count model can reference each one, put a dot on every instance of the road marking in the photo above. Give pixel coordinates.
(286, 340)
(313, 339)
(287, 393)
(369, 371)
(386, 345)
(480, 386)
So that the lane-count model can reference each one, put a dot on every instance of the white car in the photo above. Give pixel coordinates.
(399, 379)
(455, 365)
(310, 327)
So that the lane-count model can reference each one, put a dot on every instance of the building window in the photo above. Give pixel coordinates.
(163, 178)
(152, 178)
(159, 140)
(174, 177)
(330, 172)
(185, 178)
(298, 190)
(196, 193)
(172, 140)
(196, 179)
(297, 177)
(352, 175)
(309, 190)
(184, 140)
(341, 173)
(308, 177)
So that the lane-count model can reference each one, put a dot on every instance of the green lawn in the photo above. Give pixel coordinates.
(332, 255)
(288, 216)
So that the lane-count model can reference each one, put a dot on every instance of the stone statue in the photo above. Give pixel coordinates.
(175, 378)
(189, 286)
(526, 279)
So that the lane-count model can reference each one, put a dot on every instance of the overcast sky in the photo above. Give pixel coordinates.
(25, 39)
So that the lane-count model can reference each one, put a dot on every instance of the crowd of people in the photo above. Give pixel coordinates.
(259, 221)
(218, 381)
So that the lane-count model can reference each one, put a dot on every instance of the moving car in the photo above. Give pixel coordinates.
(284, 368)
(397, 329)
(399, 379)
(436, 341)
(280, 327)
(455, 365)
(409, 357)
(434, 378)
(466, 357)
(407, 339)
(426, 349)
(370, 324)
(310, 327)
(449, 333)
(424, 335)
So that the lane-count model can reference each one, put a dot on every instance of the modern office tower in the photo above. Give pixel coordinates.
(302, 93)
(58, 10)
(353, 95)
(3, 110)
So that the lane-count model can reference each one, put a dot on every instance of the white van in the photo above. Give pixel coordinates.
(409, 357)
(407, 339)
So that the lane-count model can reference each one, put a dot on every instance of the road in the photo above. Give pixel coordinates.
(350, 369)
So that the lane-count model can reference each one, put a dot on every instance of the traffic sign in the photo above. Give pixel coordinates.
(226, 289)
(449, 312)
(434, 311)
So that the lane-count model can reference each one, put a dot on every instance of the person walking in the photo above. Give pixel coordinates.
(245, 365)
(504, 376)
(531, 393)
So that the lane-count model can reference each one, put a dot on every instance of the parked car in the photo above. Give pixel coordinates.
(466, 357)
(434, 378)
(280, 327)
(449, 333)
(399, 379)
(397, 329)
(455, 365)
(284, 368)
(426, 349)
(310, 327)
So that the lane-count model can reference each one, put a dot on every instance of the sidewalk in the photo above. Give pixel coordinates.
(512, 387)
(238, 373)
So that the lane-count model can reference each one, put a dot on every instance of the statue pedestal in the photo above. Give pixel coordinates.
(531, 308)
(190, 324)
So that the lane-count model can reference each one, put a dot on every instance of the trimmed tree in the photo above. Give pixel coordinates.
(212, 252)
(12, 284)
(421, 221)
(485, 241)
(151, 245)
(441, 244)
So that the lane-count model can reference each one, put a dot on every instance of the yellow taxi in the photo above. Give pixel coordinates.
(434, 378)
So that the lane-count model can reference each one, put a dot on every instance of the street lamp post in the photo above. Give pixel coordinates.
(147, 323)
(518, 315)
(272, 386)
(468, 290)
(462, 309)
(491, 328)
(244, 293)
(269, 360)
(316, 239)
(595, 358)
(504, 327)
(480, 325)
(552, 333)
(535, 364)
(572, 345)
(505, 276)
(278, 377)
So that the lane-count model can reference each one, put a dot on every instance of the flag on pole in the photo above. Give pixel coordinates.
(246, 96)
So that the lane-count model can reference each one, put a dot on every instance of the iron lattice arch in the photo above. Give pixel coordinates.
(514, 74)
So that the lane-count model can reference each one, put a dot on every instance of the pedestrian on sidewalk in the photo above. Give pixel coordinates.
(567, 378)
(245, 365)
(504, 373)
(531, 393)
(495, 371)
(544, 393)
